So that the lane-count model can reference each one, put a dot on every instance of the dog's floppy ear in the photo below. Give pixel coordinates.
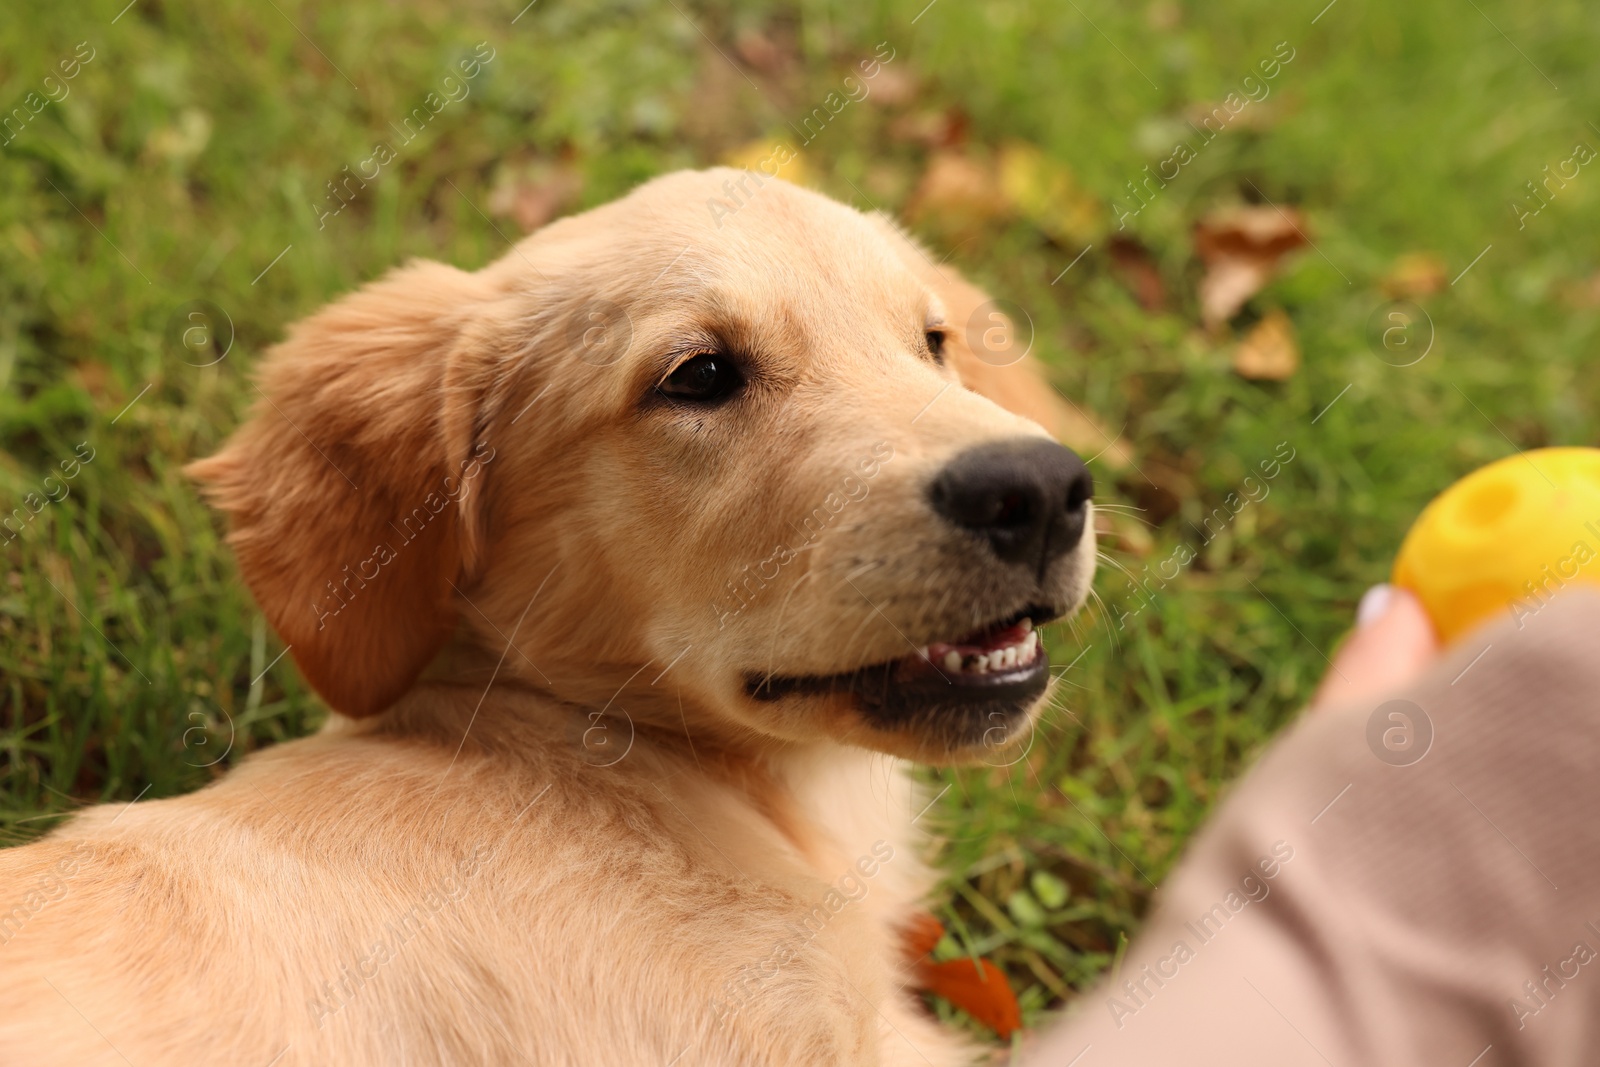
(354, 488)
(1003, 371)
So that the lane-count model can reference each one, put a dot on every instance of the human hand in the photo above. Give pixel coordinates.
(1392, 644)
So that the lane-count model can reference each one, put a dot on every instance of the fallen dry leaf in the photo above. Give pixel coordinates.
(183, 140)
(535, 193)
(1135, 267)
(1268, 352)
(1163, 15)
(893, 86)
(1160, 490)
(1124, 531)
(1415, 274)
(931, 129)
(1241, 248)
(957, 191)
(1048, 194)
(1583, 294)
(888, 181)
(759, 51)
(1215, 117)
(775, 159)
(977, 987)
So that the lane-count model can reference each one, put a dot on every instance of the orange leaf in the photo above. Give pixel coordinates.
(978, 988)
(920, 935)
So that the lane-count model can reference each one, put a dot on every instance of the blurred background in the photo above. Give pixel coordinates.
(1298, 265)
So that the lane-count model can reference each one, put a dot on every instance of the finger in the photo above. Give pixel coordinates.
(1392, 644)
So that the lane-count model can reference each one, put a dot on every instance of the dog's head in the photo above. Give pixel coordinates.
(724, 445)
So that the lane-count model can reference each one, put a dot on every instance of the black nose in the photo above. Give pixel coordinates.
(1027, 497)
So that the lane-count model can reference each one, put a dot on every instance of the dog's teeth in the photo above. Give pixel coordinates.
(976, 664)
(952, 661)
(997, 661)
(1010, 657)
(1027, 626)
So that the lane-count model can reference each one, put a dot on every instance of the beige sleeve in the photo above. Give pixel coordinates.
(1408, 882)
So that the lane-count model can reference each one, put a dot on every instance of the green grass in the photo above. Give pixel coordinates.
(193, 145)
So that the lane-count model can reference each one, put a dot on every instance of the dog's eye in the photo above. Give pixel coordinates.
(702, 380)
(935, 339)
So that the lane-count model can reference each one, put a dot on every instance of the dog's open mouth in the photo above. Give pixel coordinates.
(1000, 650)
(999, 669)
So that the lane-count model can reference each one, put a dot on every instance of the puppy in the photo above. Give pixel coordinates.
(632, 566)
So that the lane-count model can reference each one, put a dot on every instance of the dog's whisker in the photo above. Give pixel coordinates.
(1077, 633)
(687, 735)
(1057, 706)
(1116, 563)
(1130, 510)
(850, 576)
(777, 626)
(1105, 616)
(870, 614)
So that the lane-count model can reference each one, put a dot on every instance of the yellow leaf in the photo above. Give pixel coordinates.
(1047, 194)
(1268, 352)
(771, 159)
(1415, 274)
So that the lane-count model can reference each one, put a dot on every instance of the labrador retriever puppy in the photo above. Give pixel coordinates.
(633, 566)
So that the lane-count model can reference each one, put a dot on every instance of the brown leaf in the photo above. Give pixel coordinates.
(1241, 248)
(1583, 294)
(931, 129)
(958, 191)
(893, 86)
(535, 193)
(759, 51)
(1268, 352)
(1415, 274)
(1163, 15)
(1133, 265)
(888, 180)
(1160, 490)
(1213, 118)
(1126, 532)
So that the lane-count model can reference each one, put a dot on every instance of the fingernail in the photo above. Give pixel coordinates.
(1374, 603)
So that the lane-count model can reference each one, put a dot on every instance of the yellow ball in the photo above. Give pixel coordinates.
(1505, 539)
